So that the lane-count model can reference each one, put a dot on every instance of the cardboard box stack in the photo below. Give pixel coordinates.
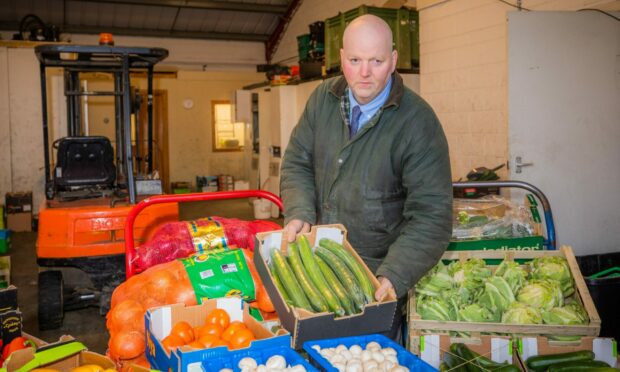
(19, 211)
(10, 316)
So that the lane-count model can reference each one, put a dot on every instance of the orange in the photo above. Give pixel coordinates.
(232, 328)
(218, 316)
(208, 340)
(196, 344)
(127, 315)
(172, 341)
(126, 344)
(220, 343)
(184, 331)
(211, 329)
(240, 339)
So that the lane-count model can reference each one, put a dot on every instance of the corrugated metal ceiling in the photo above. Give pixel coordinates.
(247, 20)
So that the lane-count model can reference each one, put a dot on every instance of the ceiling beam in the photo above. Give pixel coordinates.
(13, 26)
(271, 45)
(233, 6)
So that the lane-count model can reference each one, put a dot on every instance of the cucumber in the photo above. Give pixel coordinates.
(483, 362)
(317, 301)
(336, 286)
(358, 270)
(542, 362)
(344, 275)
(316, 276)
(279, 285)
(286, 276)
(577, 366)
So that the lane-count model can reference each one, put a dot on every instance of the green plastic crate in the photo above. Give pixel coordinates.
(404, 25)
(303, 46)
(5, 241)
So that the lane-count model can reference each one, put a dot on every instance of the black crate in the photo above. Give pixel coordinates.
(18, 202)
(604, 290)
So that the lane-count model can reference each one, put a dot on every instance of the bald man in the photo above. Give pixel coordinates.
(371, 154)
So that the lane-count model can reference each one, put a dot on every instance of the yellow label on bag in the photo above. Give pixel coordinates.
(207, 234)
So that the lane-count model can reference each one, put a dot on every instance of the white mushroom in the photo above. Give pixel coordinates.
(247, 363)
(373, 346)
(276, 362)
(355, 349)
(340, 348)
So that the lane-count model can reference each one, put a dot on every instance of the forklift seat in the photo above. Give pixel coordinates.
(84, 162)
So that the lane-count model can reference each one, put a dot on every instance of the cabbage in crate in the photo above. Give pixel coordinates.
(554, 268)
(541, 293)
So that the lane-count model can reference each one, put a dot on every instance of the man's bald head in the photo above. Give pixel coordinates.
(367, 57)
(365, 26)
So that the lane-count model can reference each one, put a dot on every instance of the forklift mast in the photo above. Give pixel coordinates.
(120, 62)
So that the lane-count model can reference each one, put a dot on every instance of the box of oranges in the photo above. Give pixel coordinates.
(181, 338)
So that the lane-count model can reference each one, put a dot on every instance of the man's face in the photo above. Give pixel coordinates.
(367, 63)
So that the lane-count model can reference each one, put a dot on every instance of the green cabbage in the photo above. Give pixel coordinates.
(554, 268)
(519, 313)
(497, 295)
(432, 308)
(477, 313)
(436, 281)
(513, 273)
(541, 294)
(571, 313)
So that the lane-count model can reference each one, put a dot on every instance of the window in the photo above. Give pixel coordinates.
(227, 136)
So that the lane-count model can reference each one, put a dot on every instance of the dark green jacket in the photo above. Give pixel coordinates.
(390, 185)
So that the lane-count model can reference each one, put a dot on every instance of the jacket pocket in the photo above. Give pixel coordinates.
(384, 210)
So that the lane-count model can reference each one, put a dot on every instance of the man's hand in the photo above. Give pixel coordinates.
(385, 287)
(294, 227)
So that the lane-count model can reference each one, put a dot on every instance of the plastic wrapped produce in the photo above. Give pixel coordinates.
(180, 239)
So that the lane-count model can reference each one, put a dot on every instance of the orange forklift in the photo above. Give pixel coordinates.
(90, 182)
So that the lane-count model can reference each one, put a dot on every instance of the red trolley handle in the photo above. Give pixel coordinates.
(180, 198)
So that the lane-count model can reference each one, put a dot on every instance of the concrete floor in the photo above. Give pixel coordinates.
(86, 325)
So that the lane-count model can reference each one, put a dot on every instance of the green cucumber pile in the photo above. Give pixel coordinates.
(328, 279)
(567, 362)
(460, 358)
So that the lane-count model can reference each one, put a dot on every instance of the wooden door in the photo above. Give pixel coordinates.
(160, 136)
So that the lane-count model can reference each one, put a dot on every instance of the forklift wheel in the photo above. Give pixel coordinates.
(51, 311)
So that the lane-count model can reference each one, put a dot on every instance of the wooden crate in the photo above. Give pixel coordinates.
(418, 326)
(432, 347)
(604, 348)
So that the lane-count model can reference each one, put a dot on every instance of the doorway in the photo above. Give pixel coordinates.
(160, 137)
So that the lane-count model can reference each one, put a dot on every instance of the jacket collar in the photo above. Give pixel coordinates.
(339, 87)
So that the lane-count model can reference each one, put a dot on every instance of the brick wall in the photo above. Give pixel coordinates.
(463, 47)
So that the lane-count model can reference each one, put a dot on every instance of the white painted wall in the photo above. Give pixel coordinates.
(463, 70)
(21, 138)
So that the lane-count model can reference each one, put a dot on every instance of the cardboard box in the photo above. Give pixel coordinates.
(10, 325)
(19, 222)
(18, 202)
(529, 243)
(64, 355)
(604, 348)
(582, 295)
(304, 325)
(159, 322)
(10, 316)
(8, 299)
(432, 347)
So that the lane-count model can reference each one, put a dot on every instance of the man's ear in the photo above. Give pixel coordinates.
(394, 59)
(341, 59)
